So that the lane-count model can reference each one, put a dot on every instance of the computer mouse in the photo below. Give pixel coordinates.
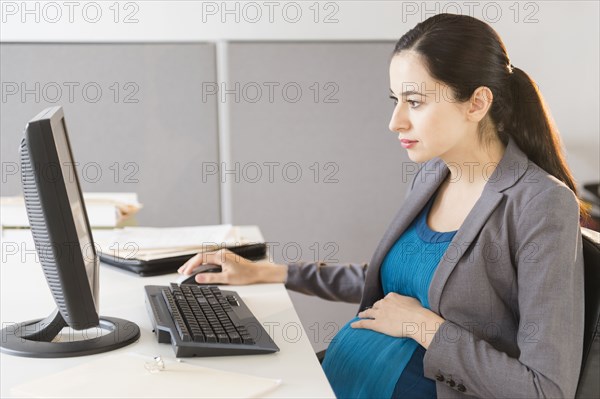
(206, 268)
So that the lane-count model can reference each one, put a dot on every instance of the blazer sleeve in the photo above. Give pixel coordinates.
(343, 283)
(549, 262)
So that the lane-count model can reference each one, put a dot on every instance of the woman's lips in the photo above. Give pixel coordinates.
(408, 143)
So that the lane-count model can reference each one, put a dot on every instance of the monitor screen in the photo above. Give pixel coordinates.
(70, 177)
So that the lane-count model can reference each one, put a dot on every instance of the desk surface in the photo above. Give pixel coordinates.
(122, 295)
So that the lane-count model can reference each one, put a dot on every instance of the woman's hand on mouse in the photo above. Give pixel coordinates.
(235, 269)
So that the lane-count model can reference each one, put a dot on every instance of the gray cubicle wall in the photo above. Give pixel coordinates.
(135, 116)
(340, 214)
(337, 136)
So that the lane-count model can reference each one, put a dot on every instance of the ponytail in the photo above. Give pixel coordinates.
(531, 126)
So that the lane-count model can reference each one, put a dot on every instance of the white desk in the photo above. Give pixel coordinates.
(25, 296)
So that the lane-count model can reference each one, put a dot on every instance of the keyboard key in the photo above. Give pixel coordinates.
(198, 336)
(210, 337)
(185, 337)
(247, 339)
(234, 337)
(223, 338)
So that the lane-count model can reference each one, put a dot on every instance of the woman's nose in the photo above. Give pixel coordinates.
(399, 121)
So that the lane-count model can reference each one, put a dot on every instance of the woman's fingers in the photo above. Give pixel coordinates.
(212, 278)
(192, 263)
(363, 323)
(367, 314)
(197, 260)
(216, 257)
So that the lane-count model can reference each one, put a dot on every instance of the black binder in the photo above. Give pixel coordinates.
(155, 267)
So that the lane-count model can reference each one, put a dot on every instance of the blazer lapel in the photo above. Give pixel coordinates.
(510, 169)
(461, 241)
(433, 177)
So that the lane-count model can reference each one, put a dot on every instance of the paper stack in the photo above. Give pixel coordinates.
(103, 209)
(148, 243)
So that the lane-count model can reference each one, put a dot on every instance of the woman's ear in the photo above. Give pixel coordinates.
(479, 104)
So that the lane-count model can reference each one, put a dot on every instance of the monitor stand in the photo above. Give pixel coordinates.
(34, 338)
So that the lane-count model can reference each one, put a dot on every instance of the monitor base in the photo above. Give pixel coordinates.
(34, 338)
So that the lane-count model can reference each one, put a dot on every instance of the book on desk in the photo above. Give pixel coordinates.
(149, 251)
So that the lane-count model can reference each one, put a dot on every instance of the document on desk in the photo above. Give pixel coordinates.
(149, 243)
(128, 376)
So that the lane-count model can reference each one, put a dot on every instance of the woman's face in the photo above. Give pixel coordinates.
(430, 124)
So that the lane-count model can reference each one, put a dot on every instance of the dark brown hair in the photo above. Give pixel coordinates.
(466, 53)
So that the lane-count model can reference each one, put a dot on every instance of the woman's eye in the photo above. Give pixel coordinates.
(413, 104)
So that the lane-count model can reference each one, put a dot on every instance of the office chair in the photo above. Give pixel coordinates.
(589, 384)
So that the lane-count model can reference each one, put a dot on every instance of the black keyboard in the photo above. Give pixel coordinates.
(205, 321)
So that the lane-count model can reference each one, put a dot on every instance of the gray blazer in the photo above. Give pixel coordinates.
(510, 285)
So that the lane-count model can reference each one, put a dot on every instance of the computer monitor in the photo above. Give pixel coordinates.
(65, 247)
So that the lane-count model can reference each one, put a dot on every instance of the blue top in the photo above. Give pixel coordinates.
(366, 363)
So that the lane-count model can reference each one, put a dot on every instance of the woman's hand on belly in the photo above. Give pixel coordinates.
(400, 316)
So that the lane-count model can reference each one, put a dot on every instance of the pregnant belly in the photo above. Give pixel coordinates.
(364, 362)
